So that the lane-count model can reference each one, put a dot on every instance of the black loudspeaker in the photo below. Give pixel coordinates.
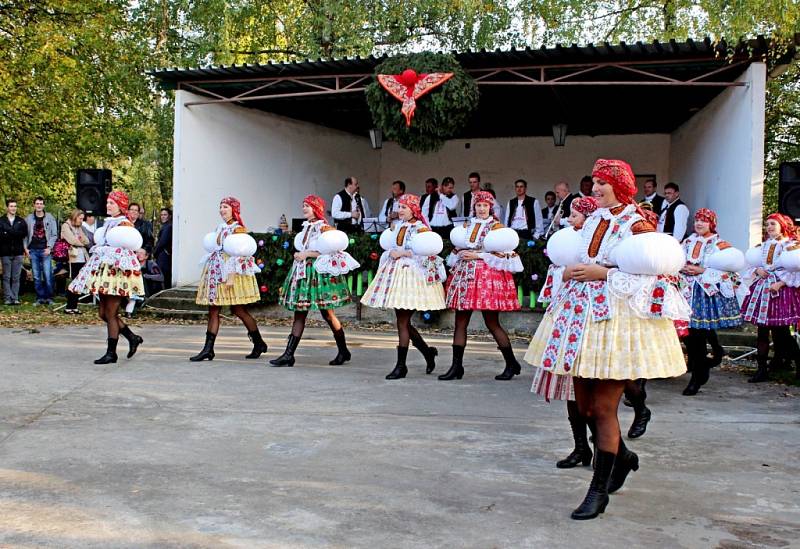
(91, 189)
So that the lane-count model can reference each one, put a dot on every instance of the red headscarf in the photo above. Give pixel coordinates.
(120, 199)
(788, 227)
(584, 205)
(236, 207)
(482, 196)
(317, 205)
(709, 216)
(411, 201)
(619, 175)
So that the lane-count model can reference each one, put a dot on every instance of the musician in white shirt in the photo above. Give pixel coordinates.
(523, 213)
(440, 207)
(388, 213)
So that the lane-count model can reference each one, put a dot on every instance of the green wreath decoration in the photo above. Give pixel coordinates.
(439, 116)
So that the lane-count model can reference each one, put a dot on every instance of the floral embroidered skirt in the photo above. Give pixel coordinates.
(623, 347)
(713, 312)
(782, 310)
(399, 285)
(552, 386)
(314, 292)
(98, 277)
(474, 286)
(244, 290)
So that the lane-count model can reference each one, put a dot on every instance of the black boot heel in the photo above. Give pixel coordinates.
(400, 370)
(133, 340)
(596, 499)
(582, 454)
(259, 345)
(111, 353)
(626, 462)
(208, 349)
(343, 354)
(287, 358)
(456, 370)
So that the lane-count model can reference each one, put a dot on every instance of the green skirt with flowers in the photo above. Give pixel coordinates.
(314, 292)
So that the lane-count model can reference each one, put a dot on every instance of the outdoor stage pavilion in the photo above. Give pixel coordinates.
(270, 134)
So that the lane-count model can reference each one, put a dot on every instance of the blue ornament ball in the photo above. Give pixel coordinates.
(374, 236)
(531, 243)
(286, 245)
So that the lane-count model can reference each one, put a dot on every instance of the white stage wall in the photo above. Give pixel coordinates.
(269, 162)
(717, 158)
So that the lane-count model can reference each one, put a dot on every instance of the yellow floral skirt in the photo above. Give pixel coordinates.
(103, 279)
(244, 290)
(398, 286)
(623, 347)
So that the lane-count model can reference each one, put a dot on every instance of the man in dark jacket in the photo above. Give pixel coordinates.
(163, 250)
(13, 231)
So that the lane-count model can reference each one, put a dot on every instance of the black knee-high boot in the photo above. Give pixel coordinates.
(456, 370)
(111, 352)
(626, 462)
(287, 358)
(259, 345)
(208, 349)
(427, 351)
(343, 354)
(133, 340)
(582, 454)
(400, 369)
(596, 498)
(717, 350)
(696, 349)
(512, 366)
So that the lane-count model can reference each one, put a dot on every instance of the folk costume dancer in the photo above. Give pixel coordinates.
(481, 280)
(316, 280)
(774, 301)
(113, 273)
(607, 326)
(409, 278)
(559, 387)
(229, 278)
(711, 288)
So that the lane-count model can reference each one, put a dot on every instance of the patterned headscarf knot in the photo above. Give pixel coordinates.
(709, 216)
(317, 205)
(236, 208)
(584, 205)
(120, 199)
(411, 201)
(788, 228)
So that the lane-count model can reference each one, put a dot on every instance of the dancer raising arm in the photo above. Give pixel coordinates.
(409, 279)
(316, 280)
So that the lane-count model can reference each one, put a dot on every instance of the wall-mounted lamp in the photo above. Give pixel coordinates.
(376, 138)
(559, 134)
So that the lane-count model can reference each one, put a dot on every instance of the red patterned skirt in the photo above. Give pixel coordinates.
(474, 286)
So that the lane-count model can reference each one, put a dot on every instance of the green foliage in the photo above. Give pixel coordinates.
(440, 115)
(275, 252)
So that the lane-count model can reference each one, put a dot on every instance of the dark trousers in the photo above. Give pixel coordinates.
(349, 228)
(72, 298)
(524, 234)
(42, 266)
(164, 262)
(12, 268)
(443, 231)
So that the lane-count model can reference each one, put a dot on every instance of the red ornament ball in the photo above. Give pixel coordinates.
(373, 256)
(408, 77)
(264, 289)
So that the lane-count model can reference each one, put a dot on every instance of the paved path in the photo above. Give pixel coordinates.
(161, 452)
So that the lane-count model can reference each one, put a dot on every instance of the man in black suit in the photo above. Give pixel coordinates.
(550, 208)
(655, 200)
(565, 201)
(474, 186)
(524, 214)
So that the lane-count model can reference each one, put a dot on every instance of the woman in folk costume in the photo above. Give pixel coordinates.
(315, 281)
(113, 273)
(546, 383)
(229, 278)
(409, 279)
(482, 264)
(710, 283)
(774, 301)
(612, 321)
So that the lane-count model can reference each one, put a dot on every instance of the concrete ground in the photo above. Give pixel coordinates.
(160, 452)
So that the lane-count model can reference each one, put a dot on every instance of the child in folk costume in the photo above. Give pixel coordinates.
(229, 278)
(559, 386)
(774, 301)
(612, 321)
(482, 280)
(113, 273)
(315, 281)
(710, 284)
(409, 279)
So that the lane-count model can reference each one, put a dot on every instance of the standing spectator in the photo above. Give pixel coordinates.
(90, 225)
(42, 235)
(151, 273)
(586, 186)
(565, 199)
(675, 214)
(145, 228)
(651, 197)
(162, 253)
(72, 232)
(550, 208)
(440, 208)
(388, 213)
(524, 214)
(431, 184)
(13, 232)
(347, 208)
(474, 186)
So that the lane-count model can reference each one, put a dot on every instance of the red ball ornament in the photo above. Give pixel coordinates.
(373, 256)
(264, 289)
(408, 77)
